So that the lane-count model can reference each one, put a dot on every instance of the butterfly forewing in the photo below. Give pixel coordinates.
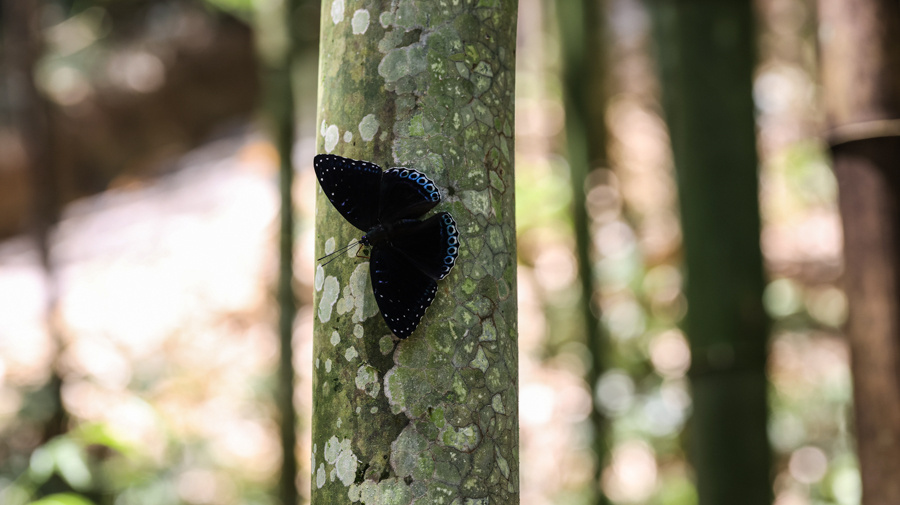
(402, 291)
(431, 245)
(352, 186)
(405, 194)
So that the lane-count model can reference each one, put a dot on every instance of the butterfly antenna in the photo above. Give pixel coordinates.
(343, 249)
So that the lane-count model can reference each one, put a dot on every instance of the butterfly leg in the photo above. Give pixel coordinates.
(358, 251)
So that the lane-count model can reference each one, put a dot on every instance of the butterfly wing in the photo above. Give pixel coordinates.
(405, 194)
(402, 291)
(352, 186)
(431, 245)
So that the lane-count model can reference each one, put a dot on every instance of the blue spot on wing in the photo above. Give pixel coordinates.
(406, 194)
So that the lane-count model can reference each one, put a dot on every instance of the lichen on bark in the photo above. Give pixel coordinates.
(433, 418)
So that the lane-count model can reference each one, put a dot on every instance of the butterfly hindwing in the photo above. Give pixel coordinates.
(406, 193)
(431, 245)
(402, 291)
(352, 186)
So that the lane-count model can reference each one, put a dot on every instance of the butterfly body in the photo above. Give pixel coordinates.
(408, 255)
(382, 234)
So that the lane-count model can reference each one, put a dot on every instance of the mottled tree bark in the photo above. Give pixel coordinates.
(581, 33)
(706, 56)
(860, 41)
(434, 418)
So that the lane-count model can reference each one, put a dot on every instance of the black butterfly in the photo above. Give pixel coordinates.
(408, 256)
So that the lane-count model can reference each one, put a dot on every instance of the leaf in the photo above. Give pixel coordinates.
(63, 499)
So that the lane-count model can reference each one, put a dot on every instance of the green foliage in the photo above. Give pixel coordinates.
(63, 499)
(64, 456)
(240, 8)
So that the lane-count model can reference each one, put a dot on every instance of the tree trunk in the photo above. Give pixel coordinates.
(427, 85)
(861, 72)
(706, 58)
(280, 102)
(581, 34)
(30, 113)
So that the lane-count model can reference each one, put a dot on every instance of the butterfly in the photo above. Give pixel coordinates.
(408, 255)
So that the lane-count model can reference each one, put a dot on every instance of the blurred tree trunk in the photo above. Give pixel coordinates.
(861, 73)
(581, 33)
(287, 45)
(706, 58)
(429, 85)
(279, 64)
(31, 117)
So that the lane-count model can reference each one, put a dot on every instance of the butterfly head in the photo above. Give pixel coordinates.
(376, 236)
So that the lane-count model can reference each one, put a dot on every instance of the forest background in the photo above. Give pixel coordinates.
(138, 277)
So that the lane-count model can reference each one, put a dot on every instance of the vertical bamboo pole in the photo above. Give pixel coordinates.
(860, 43)
(706, 56)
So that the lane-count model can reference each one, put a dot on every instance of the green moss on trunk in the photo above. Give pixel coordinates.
(431, 419)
